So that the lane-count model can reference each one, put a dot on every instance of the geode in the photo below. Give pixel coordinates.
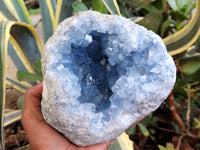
(101, 74)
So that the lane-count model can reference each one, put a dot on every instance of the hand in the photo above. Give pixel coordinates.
(41, 135)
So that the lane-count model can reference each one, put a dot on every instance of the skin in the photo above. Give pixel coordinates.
(41, 135)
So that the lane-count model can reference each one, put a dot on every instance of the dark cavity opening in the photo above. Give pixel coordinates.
(96, 75)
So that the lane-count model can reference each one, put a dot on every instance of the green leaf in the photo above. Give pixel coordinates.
(131, 130)
(64, 10)
(152, 21)
(21, 11)
(182, 40)
(115, 145)
(11, 116)
(122, 143)
(173, 4)
(185, 6)
(166, 24)
(158, 5)
(27, 76)
(144, 130)
(190, 65)
(99, 6)
(37, 65)
(142, 4)
(161, 147)
(79, 6)
(48, 18)
(169, 146)
(179, 16)
(112, 6)
(6, 8)
(54, 5)
(151, 8)
(3, 68)
(20, 102)
(12, 51)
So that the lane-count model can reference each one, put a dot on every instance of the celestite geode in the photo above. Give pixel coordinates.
(101, 74)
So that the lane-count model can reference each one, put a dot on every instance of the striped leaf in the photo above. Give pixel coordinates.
(27, 45)
(112, 6)
(182, 40)
(79, 6)
(8, 10)
(64, 10)
(11, 116)
(21, 11)
(19, 86)
(4, 36)
(47, 11)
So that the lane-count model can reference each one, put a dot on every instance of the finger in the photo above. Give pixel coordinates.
(33, 96)
(99, 146)
(35, 91)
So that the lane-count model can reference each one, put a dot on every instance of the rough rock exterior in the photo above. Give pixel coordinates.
(101, 74)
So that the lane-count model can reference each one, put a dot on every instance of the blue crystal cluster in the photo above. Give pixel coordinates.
(101, 74)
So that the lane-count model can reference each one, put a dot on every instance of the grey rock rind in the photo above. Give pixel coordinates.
(137, 91)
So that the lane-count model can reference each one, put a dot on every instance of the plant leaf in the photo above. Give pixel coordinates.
(64, 10)
(79, 6)
(122, 143)
(152, 21)
(112, 6)
(21, 11)
(161, 147)
(99, 6)
(151, 8)
(11, 116)
(7, 10)
(142, 4)
(173, 4)
(37, 65)
(19, 86)
(47, 12)
(165, 25)
(144, 130)
(131, 130)
(182, 40)
(20, 102)
(3, 68)
(190, 65)
(29, 51)
(15, 57)
(185, 6)
(27, 76)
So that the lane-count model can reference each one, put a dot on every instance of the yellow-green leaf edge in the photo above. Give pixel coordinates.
(112, 10)
(174, 39)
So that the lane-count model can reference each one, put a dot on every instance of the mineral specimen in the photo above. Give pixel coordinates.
(101, 74)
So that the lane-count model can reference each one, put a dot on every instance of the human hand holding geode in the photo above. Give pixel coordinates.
(41, 135)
